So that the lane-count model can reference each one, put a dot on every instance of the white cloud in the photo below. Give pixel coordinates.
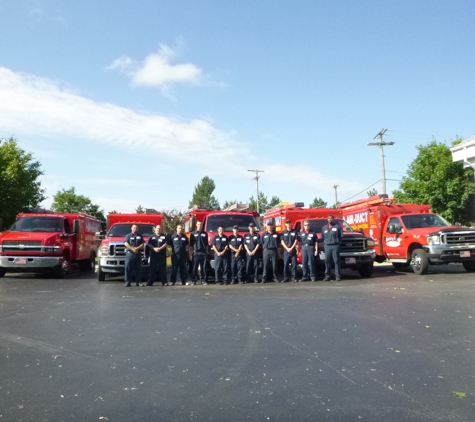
(157, 69)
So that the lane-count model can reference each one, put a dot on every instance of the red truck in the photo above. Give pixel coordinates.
(410, 234)
(236, 214)
(356, 250)
(49, 241)
(111, 255)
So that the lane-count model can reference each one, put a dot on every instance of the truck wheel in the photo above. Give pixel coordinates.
(64, 269)
(469, 266)
(101, 275)
(2, 272)
(87, 264)
(366, 270)
(419, 262)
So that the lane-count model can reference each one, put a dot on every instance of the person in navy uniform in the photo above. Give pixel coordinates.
(134, 244)
(221, 257)
(157, 245)
(269, 241)
(180, 252)
(199, 244)
(289, 240)
(332, 234)
(308, 240)
(236, 246)
(252, 243)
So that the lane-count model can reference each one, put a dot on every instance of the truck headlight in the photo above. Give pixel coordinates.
(370, 242)
(103, 250)
(433, 239)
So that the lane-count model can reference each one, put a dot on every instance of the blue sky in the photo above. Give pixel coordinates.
(134, 102)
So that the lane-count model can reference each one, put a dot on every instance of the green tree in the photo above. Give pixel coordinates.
(434, 179)
(20, 188)
(67, 201)
(318, 203)
(263, 203)
(203, 195)
(274, 201)
(171, 219)
(140, 210)
(372, 192)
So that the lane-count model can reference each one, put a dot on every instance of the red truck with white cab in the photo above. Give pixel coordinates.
(356, 249)
(410, 234)
(236, 214)
(48, 241)
(111, 255)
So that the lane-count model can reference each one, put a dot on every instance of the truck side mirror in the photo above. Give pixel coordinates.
(392, 229)
(76, 226)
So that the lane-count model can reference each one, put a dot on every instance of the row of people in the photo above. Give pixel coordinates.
(235, 256)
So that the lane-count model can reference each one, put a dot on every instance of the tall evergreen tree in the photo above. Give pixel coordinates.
(203, 195)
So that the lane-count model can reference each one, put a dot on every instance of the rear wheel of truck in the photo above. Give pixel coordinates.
(2, 272)
(64, 269)
(469, 266)
(366, 270)
(88, 264)
(419, 262)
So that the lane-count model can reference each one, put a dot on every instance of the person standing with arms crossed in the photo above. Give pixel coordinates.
(332, 234)
(308, 240)
(180, 251)
(134, 244)
(269, 241)
(158, 257)
(252, 243)
(199, 245)
(221, 257)
(289, 239)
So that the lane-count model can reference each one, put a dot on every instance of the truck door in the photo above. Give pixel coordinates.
(393, 239)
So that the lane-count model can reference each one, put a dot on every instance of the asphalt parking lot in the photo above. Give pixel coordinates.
(396, 347)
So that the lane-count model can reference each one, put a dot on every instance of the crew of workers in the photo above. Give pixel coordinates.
(235, 256)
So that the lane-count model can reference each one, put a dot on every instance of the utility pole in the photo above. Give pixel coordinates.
(381, 144)
(257, 185)
(336, 195)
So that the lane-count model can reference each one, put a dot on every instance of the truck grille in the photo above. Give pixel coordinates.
(353, 245)
(458, 238)
(118, 250)
(17, 246)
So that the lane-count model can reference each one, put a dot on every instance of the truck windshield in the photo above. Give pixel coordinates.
(37, 224)
(416, 221)
(317, 225)
(228, 221)
(118, 230)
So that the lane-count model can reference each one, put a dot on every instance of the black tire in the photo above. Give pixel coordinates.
(101, 275)
(2, 272)
(64, 269)
(400, 264)
(469, 266)
(87, 265)
(366, 270)
(419, 262)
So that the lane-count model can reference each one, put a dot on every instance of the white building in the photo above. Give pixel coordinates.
(465, 152)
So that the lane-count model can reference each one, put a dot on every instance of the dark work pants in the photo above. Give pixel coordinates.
(158, 268)
(332, 254)
(290, 264)
(221, 268)
(308, 260)
(270, 255)
(237, 265)
(252, 268)
(199, 261)
(133, 267)
(179, 263)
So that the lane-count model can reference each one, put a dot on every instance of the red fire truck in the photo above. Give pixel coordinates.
(47, 241)
(236, 214)
(356, 250)
(112, 249)
(410, 234)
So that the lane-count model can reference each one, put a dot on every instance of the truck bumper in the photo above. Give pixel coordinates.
(115, 265)
(443, 254)
(29, 263)
(352, 259)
